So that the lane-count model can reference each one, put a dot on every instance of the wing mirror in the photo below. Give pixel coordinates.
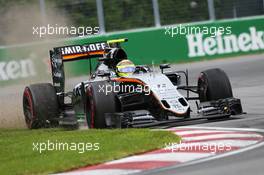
(164, 66)
(103, 74)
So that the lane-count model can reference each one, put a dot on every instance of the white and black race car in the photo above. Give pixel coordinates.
(145, 97)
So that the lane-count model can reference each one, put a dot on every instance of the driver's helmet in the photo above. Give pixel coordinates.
(125, 68)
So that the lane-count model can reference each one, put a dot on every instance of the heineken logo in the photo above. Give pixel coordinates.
(16, 69)
(199, 45)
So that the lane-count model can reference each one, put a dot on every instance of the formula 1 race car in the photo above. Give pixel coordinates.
(119, 94)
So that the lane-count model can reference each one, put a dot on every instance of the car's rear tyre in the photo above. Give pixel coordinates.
(214, 84)
(99, 102)
(40, 104)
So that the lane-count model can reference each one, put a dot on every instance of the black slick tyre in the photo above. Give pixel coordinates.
(40, 106)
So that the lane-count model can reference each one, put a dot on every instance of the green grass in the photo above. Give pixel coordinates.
(18, 157)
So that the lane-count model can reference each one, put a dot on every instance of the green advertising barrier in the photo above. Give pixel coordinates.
(178, 43)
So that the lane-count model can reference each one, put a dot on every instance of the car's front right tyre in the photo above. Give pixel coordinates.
(99, 102)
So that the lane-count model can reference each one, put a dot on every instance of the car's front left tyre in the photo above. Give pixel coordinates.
(214, 84)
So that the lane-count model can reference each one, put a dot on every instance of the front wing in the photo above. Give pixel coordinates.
(206, 110)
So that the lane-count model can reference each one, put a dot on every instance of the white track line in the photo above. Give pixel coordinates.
(220, 136)
(233, 143)
(195, 132)
(220, 128)
(218, 156)
(171, 156)
(102, 171)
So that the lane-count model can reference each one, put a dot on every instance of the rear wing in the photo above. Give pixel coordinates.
(75, 52)
(59, 55)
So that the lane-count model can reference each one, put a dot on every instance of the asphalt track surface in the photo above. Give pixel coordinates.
(246, 74)
(247, 78)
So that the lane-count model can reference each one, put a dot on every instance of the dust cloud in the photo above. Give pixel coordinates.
(17, 22)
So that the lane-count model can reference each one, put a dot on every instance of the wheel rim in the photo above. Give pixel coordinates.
(202, 85)
(28, 108)
(90, 108)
